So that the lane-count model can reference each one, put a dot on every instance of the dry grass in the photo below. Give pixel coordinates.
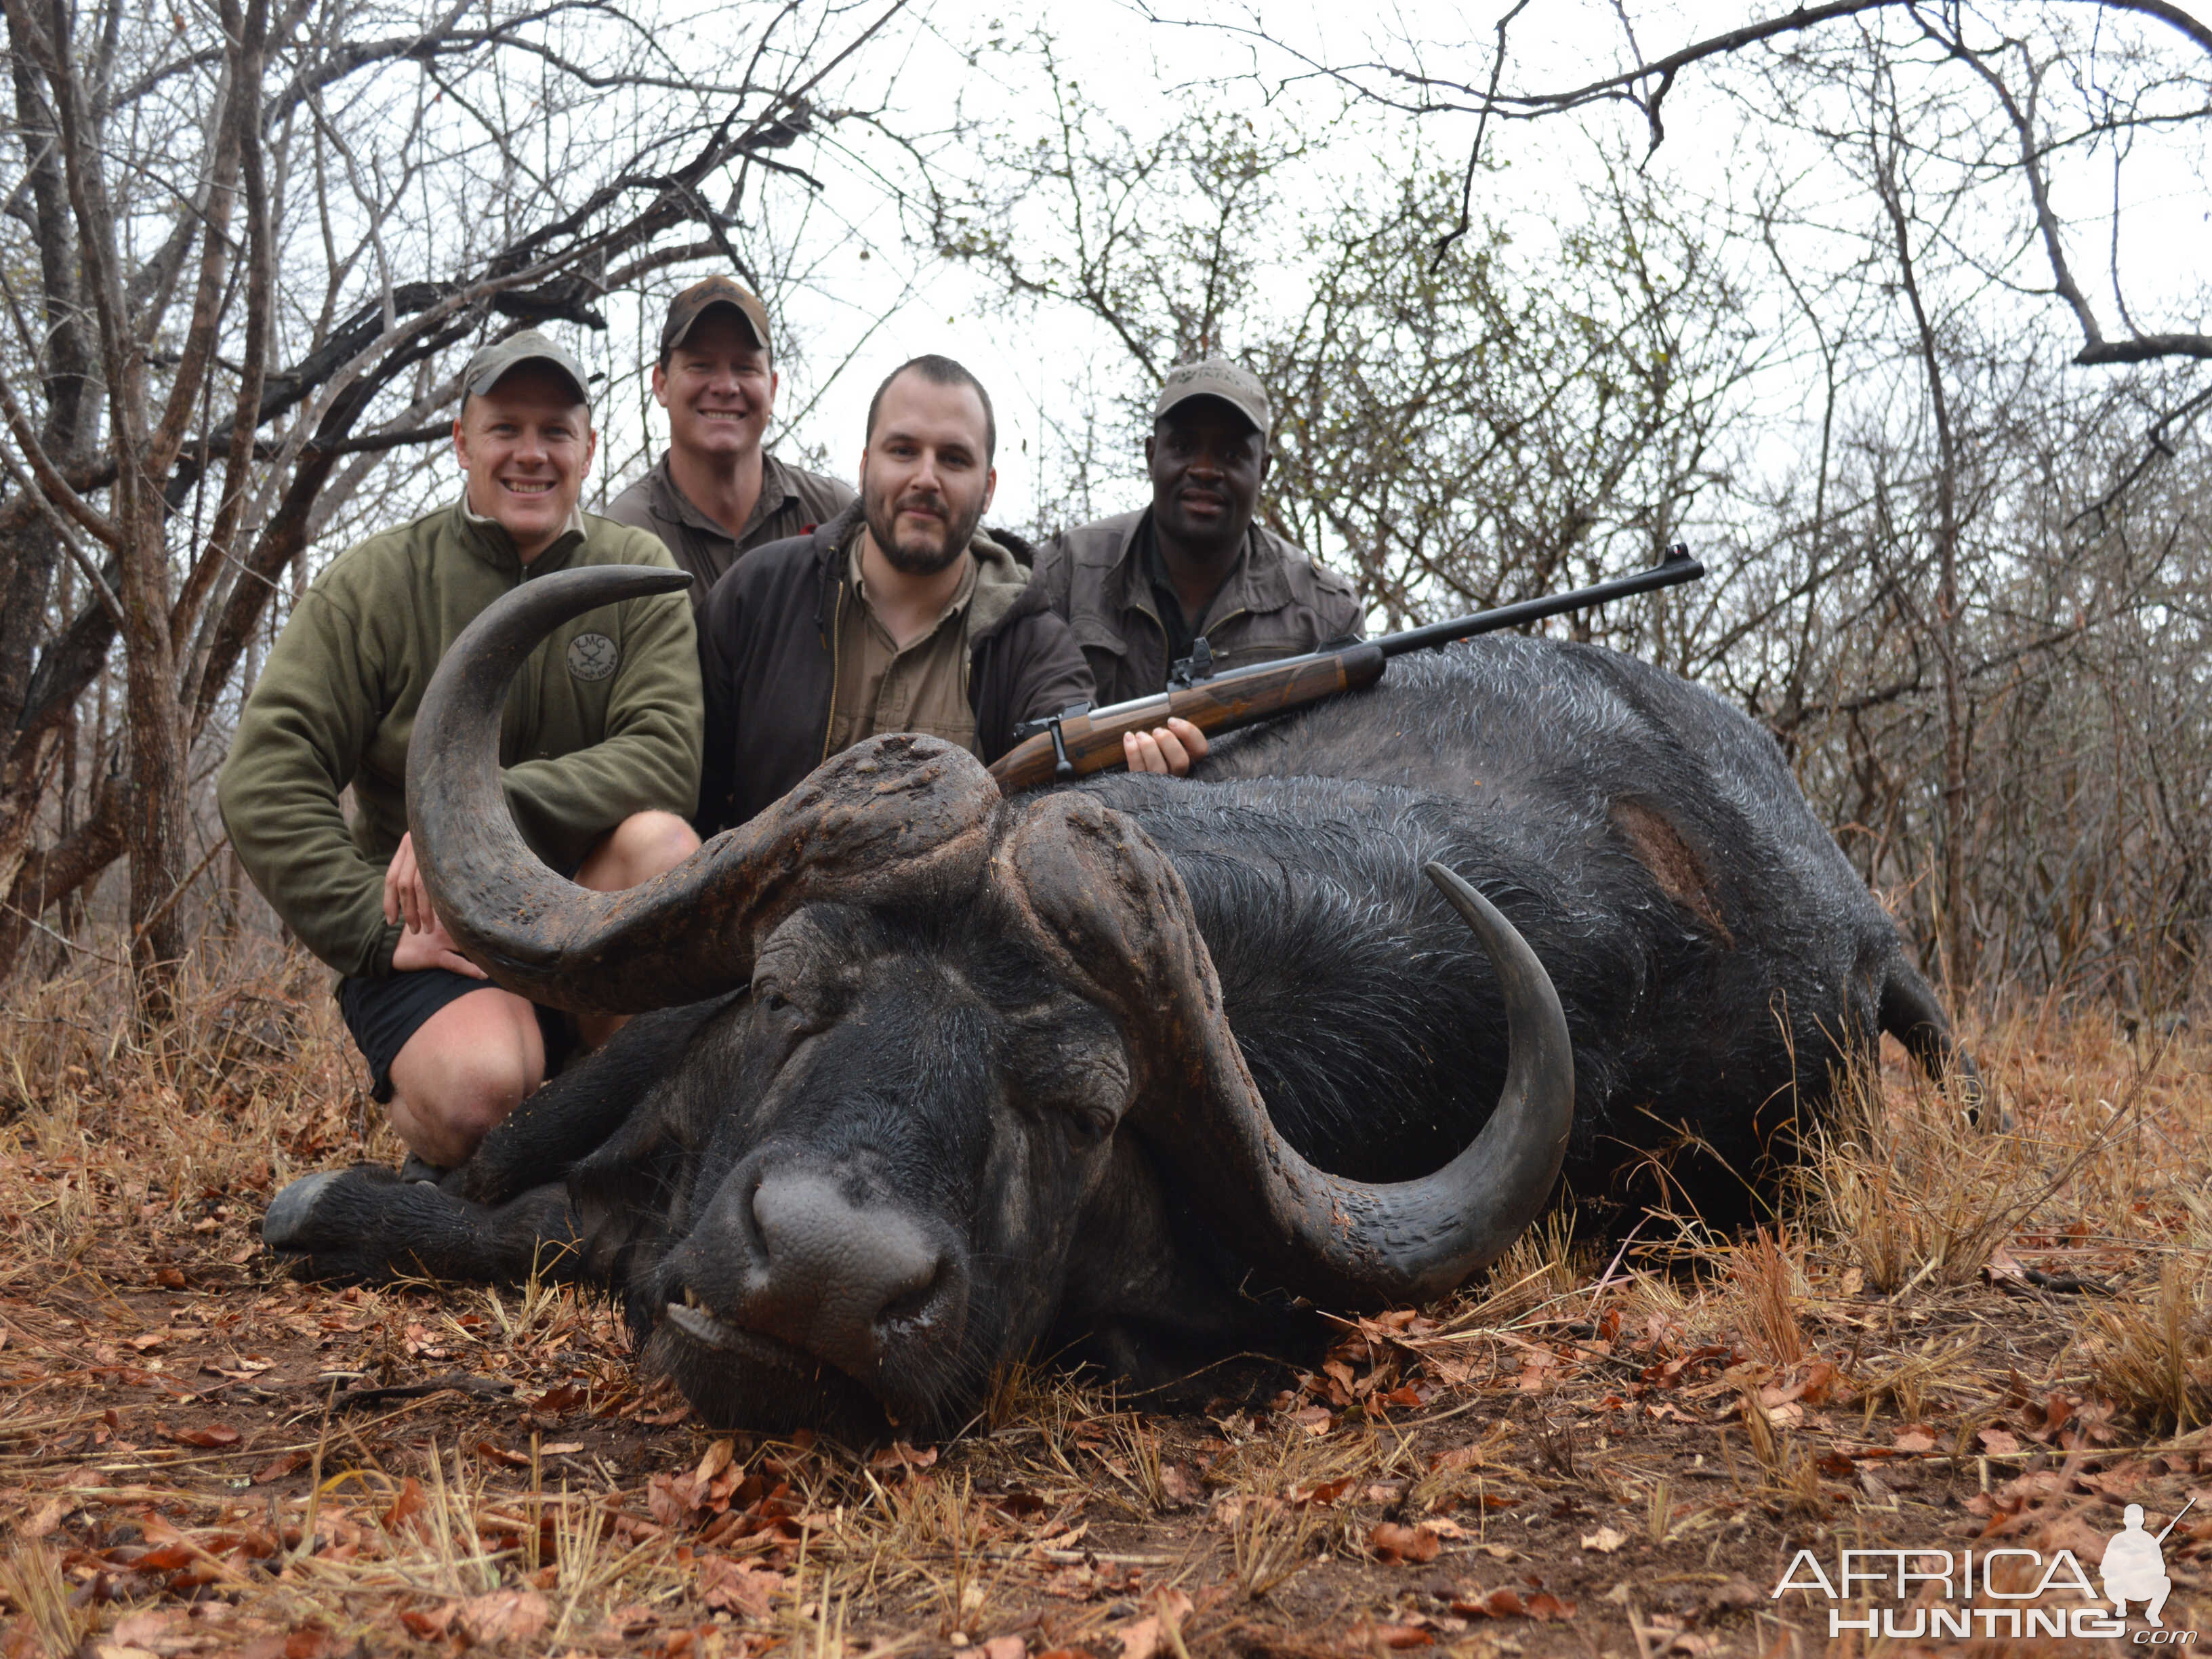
(1951, 1337)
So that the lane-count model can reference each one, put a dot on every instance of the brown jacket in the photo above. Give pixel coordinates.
(1276, 602)
(793, 501)
(768, 673)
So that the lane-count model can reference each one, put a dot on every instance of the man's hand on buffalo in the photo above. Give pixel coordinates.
(1168, 748)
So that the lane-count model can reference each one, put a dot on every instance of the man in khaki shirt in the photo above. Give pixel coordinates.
(1140, 590)
(718, 493)
(922, 686)
(900, 615)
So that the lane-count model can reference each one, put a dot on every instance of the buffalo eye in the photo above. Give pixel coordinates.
(802, 1018)
(1087, 1125)
(769, 996)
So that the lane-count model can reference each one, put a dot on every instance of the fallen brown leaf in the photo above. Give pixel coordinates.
(429, 1624)
(1147, 1638)
(737, 1586)
(2004, 1271)
(1392, 1542)
(1180, 1484)
(1368, 1637)
(214, 1437)
(277, 1467)
(1506, 1602)
(508, 1615)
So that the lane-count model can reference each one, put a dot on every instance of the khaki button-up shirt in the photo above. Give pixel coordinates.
(793, 501)
(883, 687)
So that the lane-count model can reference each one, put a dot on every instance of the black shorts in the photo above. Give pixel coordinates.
(383, 1013)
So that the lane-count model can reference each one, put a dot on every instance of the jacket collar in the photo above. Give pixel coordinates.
(487, 539)
(1005, 558)
(667, 501)
(1260, 580)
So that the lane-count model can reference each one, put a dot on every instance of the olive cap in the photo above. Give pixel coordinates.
(493, 362)
(1217, 377)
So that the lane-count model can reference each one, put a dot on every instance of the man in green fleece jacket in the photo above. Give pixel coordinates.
(599, 748)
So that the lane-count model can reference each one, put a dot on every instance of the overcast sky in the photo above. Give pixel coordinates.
(849, 316)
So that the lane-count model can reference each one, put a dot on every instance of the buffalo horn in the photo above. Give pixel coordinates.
(904, 811)
(1409, 1241)
(1115, 909)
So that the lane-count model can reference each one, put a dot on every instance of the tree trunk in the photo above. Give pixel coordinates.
(157, 823)
(1952, 944)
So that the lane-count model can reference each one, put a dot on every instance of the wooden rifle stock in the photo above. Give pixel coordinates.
(1092, 742)
(1079, 742)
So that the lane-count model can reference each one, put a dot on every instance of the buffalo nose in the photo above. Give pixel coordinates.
(836, 1270)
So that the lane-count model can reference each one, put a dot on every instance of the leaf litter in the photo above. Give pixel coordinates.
(1594, 1449)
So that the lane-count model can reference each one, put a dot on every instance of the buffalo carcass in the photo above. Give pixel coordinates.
(927, 1079)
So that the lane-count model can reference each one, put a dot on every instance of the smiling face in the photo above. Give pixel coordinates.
(527, 445)
(926, 477)
(718, 387)
(1206, 462)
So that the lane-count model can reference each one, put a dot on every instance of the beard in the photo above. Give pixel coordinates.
(916, 555)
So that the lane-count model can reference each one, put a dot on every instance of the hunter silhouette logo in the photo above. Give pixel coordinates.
(2006, 1591)
(2134, 1566)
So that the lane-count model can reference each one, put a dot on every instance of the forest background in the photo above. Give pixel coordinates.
(1896, 312)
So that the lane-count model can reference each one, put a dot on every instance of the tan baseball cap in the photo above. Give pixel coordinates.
(1217, 377)
(486, 369)
(695, 301)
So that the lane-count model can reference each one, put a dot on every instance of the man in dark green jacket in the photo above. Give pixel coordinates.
(599, 748)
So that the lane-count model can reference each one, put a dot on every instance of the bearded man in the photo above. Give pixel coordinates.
(899, 615)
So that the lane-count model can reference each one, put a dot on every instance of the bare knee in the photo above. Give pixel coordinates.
(463, 1071)
(637, 849)
(450, 1112)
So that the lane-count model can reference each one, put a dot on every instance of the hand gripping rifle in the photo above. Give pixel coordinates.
(1081, 740)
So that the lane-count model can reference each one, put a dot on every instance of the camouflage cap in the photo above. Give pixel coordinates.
(695, 301)
(1217, 377)
(486, 369)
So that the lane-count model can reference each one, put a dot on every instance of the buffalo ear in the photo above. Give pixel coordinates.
(1107, 905)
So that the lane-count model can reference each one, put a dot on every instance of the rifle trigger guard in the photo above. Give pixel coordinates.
(1063, 769)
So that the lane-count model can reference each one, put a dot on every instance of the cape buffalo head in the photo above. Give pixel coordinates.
(978, 1031)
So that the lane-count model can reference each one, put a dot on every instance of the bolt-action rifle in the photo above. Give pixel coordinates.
(1082, 739)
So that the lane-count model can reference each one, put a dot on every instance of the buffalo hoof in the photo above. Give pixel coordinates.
(292, 1212)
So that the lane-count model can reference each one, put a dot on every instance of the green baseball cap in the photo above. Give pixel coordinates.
(1217, 377)
(696, 302)
(493, 362)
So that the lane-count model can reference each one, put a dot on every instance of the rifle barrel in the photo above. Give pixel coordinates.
(2176, 1521)
(1677, 566)
(1083, 740)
